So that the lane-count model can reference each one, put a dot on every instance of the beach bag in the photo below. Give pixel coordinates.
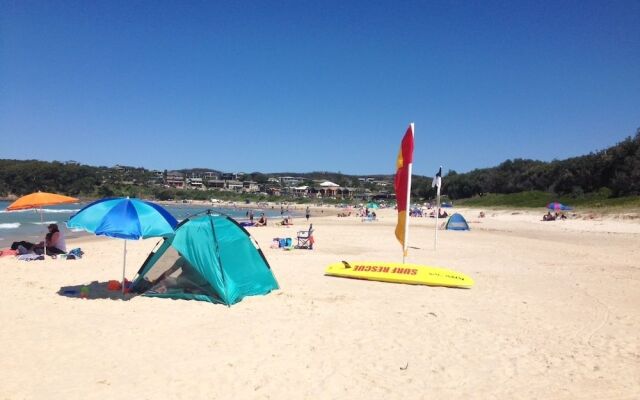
(76, 253)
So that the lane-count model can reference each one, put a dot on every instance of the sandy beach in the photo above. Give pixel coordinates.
(554, 314)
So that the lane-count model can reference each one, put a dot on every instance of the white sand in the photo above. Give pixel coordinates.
(555, 314)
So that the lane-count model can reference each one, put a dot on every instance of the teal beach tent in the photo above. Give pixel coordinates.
(209, 258)
(457, 222)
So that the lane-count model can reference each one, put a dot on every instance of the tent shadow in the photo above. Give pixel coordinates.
(96, 290)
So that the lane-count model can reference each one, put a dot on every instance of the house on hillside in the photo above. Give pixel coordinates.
(250, 187)
(234, 185)
(195, 183)
(215, 184)
(290, 180)
(175, 180)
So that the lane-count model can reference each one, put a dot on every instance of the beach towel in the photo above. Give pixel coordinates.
(30, 257)
(8, 252)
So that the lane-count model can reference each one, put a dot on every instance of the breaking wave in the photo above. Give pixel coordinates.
(46, 210)
(10, 225)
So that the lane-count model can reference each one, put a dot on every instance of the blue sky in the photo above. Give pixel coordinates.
(315, 85)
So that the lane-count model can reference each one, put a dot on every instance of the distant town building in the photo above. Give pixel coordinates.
(229, 176)
(300, 191)
(234, 185)
(209, 175)
(175, 179)
(195, 183)
(290, 180)
(215, 184)
(250, 187)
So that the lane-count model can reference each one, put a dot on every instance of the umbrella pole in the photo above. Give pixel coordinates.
(124, 264)
(45, 236)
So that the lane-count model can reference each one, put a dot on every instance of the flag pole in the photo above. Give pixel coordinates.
(435, 243)
(124, 264)
(408, 205)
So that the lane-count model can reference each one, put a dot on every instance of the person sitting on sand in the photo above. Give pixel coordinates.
(262, 221)
(54, 241)
(548, 217)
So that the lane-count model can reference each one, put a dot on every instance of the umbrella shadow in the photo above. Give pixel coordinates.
(94, 291)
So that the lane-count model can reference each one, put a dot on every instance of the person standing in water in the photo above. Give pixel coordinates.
(308, 213)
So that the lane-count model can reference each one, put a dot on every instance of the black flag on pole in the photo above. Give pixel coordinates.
(437, 180)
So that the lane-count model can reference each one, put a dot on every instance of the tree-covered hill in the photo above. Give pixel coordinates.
(614, 171)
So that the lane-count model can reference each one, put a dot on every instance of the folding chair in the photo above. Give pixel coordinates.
(305, 239)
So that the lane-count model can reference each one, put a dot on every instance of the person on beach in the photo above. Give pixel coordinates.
(307, 213)
(54, 242)
(250, 215)
(262, 221)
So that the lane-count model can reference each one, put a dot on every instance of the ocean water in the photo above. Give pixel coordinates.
(31, 225)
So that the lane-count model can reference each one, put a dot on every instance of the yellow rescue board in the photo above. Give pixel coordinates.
(399, 273)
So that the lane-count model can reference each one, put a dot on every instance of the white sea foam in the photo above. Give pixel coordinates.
(45, 222)
(10, 225)
(45, 210)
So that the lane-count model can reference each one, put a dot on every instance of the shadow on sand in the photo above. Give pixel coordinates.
(94, 290)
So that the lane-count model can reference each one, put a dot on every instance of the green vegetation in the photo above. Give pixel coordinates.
(536, 199)
(614, 171)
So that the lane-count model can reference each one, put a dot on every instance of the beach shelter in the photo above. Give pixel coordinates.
(558, 206)
(457, 222)
(210, 257)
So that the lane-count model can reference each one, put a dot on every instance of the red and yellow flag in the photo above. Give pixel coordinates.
(402, 184)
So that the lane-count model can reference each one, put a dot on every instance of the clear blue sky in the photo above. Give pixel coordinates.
(315, 85)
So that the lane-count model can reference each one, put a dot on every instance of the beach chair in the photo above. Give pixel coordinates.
(305, 239)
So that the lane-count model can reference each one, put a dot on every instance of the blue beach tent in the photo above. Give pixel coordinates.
(209, 258)
(457, 222)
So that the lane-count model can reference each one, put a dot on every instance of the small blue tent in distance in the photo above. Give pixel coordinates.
(457, 222)
(558, 206)
(210, 257)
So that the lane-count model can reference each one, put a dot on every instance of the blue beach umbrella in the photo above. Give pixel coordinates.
(124, 218)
